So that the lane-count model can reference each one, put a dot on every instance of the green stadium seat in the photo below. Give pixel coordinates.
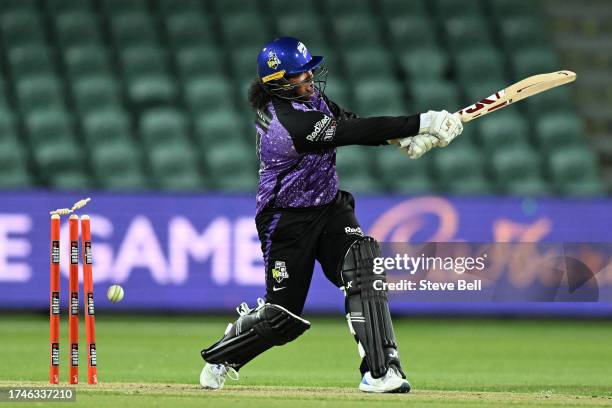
(182, 182)
(189, 30)
(523, 32)
(133, 29)
(206, 94)
(49, 127)
(339, 92)
(446, 8)
(73, 180)
(332, 60)
(504, 130)
(585, 188)
(118, 166)
(244, 65)
(232, 166)
(143, 61)
(7, 6)
(476, 186)
(30, 60)
(21, 27)
(475, 64)
(13, 158)
(7, 125)
(305, 27)
(218, 128)
(557, 100)
(106, 127)
(39, 93)
(63, 6)
(244, 31)
(16, 177)
(353, 32)
(378, 97)
(412, 33)
(459, 169)
(400, 173)
(571, 166)
(476, 91)
(347, 7)
(153, 90)
(86, 61)
(424, 63)
(554, 131)
(298, 8)
(230, 7)
(403, 8)
(119, 7)
(77, 28)
(199, 62)
(244, 183)
(146, 70)
(433, 95)
(96, 93)
(3, 96)
(368, 63)
(55, 158)
(163, 126)
(467, 32)
(173, 7)
(353, 164)
(534, 61)
(532, 186)
(175, 167)
(354, 159)
(364, 183)
(128, 182)
(411, 186)
(501, 9)
(514, 165)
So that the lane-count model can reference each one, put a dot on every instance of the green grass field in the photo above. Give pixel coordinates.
(154, 361)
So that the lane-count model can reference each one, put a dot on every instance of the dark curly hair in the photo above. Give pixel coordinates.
(258, 95)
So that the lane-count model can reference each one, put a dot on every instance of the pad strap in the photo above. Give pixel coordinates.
(253, 333)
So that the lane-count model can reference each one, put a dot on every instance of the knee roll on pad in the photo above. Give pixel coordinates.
(367, 309)
(253, 333)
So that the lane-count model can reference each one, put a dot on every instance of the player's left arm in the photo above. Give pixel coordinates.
(436, 129)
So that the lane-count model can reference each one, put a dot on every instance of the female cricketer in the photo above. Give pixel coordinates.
(302, 216)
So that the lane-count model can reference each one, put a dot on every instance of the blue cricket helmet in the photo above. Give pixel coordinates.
(285, 56)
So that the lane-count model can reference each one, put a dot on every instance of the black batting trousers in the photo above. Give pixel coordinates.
(292, 239)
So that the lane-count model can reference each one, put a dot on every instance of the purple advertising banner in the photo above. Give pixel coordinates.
(201, 252)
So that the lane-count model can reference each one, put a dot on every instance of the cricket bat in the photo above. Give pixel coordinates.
(523, 89)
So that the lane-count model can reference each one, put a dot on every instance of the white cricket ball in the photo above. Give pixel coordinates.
(115, 293)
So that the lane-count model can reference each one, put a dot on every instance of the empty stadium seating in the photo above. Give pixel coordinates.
(150, 94)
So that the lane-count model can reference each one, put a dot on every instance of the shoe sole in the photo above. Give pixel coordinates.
(402, 389)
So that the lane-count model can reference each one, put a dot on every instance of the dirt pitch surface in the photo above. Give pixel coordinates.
(185, 394)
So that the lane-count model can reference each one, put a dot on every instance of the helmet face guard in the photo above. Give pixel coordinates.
(284, 89)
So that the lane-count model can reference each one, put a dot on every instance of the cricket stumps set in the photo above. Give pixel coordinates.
(73, 305)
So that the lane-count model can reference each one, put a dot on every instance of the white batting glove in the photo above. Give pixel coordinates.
(443, 125)
(416, 146)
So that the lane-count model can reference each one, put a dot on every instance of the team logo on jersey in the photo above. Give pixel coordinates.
(273, 61)
(324, 130)
(353, 231)
(280, 271)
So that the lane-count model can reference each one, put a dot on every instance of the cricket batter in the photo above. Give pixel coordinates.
(302, 216)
